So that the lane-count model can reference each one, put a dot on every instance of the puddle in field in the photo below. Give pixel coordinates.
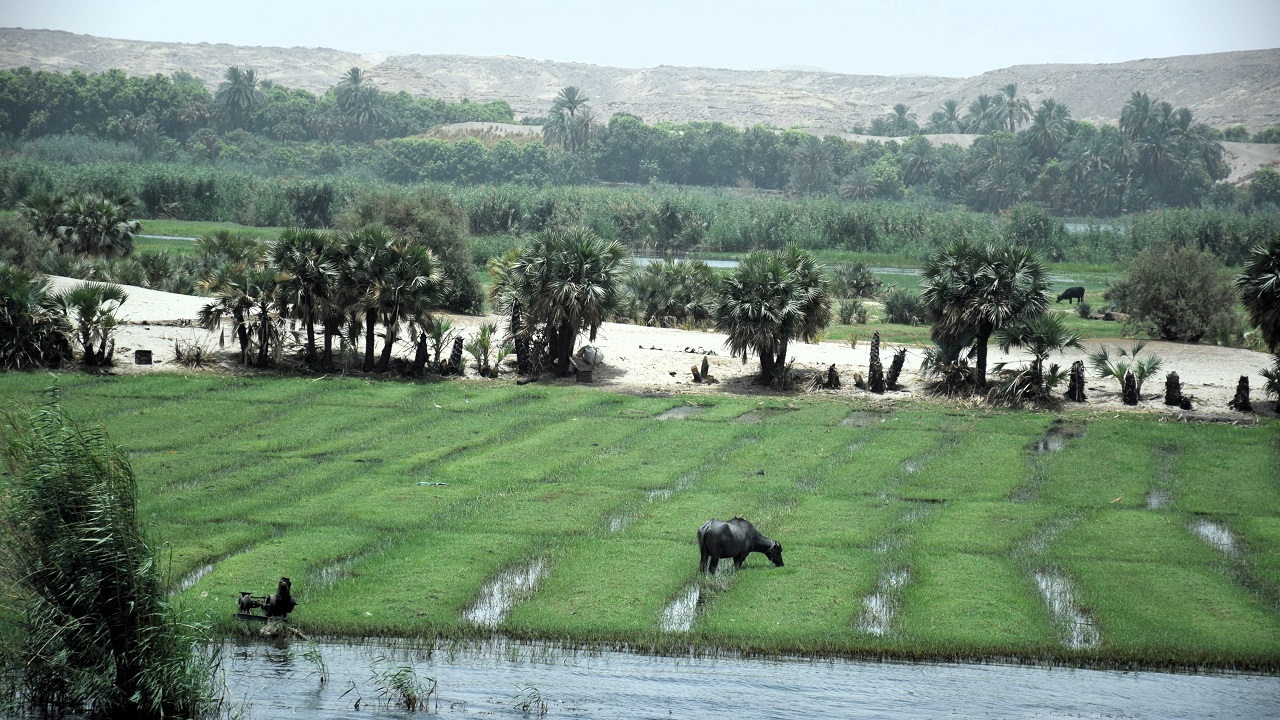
(758, 416)
(679, 615)
(1053, 440)
(682, 483)
(1157, 498)
(189, 580)
(1214, 534)
(863, 418)
(1055, 437)
(1160, 495)
(1059, 595)
(618, 523)
(880, 607)
(500, 594)
(341, 570)
(680, 412)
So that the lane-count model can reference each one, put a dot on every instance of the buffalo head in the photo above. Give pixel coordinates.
(775, 554)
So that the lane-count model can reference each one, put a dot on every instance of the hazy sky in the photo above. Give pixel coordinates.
(885, 37)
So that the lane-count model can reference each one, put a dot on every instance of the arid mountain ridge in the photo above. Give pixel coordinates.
(1222, 89)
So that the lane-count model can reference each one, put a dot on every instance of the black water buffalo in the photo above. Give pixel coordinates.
(1072, 293)
(734, 539)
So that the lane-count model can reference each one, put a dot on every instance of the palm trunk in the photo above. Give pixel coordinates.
(241, 331)
(421, 354)
(980, 374)
(564, 348)
(766, 367)
(310, 320)
(370, 320)
(263, 334)
(393, 323)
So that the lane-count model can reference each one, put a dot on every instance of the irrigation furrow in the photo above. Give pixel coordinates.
(1076, 629)
(1055, 438)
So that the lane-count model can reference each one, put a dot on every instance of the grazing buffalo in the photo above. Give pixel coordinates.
(281, 603)
(1072, 293)
(734, 539)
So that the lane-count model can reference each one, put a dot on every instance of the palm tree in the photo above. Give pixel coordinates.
(811, 167)
(308, 269)
(974, 290)
(94, 306)
(570, 121)
(917, 161)
(1041, 335)
(903, 122)
(982, 117)
(97, 226)
(1259, 287)
(364, 255)
(361, 103)
(33, 326)
(1048, 130)
(1011, 110)
(239, 95)
(565, 282)
(946, 119)
(859, 185)
(411, 279)
(1158, 142)
(1134, 115)
(771, 299)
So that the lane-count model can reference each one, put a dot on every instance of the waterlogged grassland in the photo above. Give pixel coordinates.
(390, 505)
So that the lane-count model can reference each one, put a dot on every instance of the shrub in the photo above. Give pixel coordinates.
(903, 307)
(854, 280)
(33, 328)
(1174, 293)
(1084, 310)
(852, 311)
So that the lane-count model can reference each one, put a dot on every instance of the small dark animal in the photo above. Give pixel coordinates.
(734, 539)
(1072, 293)
(281, 603)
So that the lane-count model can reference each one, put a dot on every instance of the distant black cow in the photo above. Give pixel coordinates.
(1072, 293)
(734, 539)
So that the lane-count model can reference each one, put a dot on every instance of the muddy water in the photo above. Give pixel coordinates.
(491, 680)
(501, 593)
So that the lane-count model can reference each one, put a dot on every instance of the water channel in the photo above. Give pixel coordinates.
(503, 679)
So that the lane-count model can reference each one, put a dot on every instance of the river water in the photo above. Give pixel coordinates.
(518, 680)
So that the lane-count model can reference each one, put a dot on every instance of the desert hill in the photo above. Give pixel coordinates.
(1236, 88)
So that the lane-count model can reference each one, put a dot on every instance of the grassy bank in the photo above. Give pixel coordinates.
(319, 480)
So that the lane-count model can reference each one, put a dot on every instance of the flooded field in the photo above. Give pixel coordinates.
(511, 680)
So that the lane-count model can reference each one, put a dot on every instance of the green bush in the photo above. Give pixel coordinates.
(1175, 293)
(903, 307)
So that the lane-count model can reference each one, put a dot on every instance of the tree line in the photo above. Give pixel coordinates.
(1158, 156)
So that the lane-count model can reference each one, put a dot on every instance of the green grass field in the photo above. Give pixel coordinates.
(319, 480)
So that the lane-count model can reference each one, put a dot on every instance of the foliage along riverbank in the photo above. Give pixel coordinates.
(940, 530)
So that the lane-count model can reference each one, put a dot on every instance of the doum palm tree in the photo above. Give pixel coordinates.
(564, 282)
(769, 300)
(975, 289)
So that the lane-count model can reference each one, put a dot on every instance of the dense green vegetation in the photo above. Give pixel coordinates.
(962, 501)
(659, 220)
(1159, 156)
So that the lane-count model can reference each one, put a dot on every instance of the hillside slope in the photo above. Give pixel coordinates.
(1237, 88)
